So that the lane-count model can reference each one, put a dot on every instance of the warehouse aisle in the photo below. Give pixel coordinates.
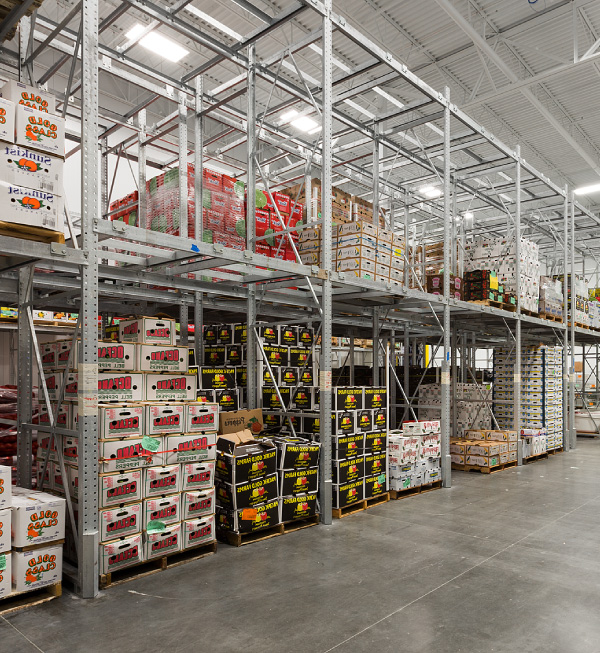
(503, 563)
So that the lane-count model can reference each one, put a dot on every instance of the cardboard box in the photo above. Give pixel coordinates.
(30, 207)
(375, 485)
(197, 476)
(299, 506)
(53, 384)
(147, 330)
(236, 421)
(380, 419)
(343, 446)
(39, 130)
(348, 398)
(120, 553)
(7, 124)
(374, 398)
(189, 448)
(198, 532)
(288, 335)
(348, 493)
(5, 530)
(126, 420)
(303, 399)
(5, 574)
(158, 543)
(37, 517)
(28, 96)
(170, 387)
(116, 356)
(375, 442)
(217, 378)
(248, 494)
(21, 166)
(128, 453)
(375, 463)
(197, 503)
(120, 521)
(37, 568)
(344, 422)
(364, 421)
(120, 386)
(165, 418)
(299, 481)
(201, 417)
(300, 357)
(157, 358)
(348, 470)
(165, 509)
(242, 459)
(296, 453)
(277, 355)
(5, 487)
(270, 398)
(269, 334)
(120, 487)
(248, 520)
(165, 479)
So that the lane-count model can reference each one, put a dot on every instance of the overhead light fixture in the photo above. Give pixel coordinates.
(469, 215)
(430, 191)
(157, 43)
(586, 190)
(304, 123)
(288, 115)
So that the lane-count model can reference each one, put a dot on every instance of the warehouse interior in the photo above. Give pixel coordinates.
(221, 389)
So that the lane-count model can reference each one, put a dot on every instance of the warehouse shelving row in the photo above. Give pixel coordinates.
(420, 138)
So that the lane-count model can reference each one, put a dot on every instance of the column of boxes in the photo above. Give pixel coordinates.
(484, 448)
(469, 405)
(32, 149)
(578, 296)
(551, 297)
(415, 455)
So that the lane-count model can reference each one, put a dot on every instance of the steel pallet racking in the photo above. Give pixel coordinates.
(387, 156)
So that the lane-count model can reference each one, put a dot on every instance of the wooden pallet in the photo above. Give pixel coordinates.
(241, 539)
(157, 565)
(21, 600)
(530, 313)
(413, 491)
(300, 524)
(588, 434)
(537, 456)
(511, 308)
(484, 470)
(359, 506)
(578, 324)
(25, 232)
(551, 318)
(551, 452)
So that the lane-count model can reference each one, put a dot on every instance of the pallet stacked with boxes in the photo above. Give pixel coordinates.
(156, 445)
(415, 456)
(484, 450)
(32, 531)
(541, 410)
(32, 149)
(470, 405)
(551, 299)
(579, 313)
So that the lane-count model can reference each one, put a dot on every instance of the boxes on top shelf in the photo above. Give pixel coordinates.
(30, 207)
(24, 166)
(28, 96)
(41, 131)
(147, 330)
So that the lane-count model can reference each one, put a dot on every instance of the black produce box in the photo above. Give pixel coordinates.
(295, 420)
(267, 379)
(375, 463)
(316, 398)
(296, 453)
(271, 421)
(303, 399)
(375, 398)
(288, 335)
(225, 334)
(269, 334)
(375, 485)
(206, 395)
(241, 376)
(364, 421)
(306, 336)
(311, 424)
(347, 445)
(191, 357)
(217, 378)
(347, 470)
(300, 357)
(270, 399)
(248, 520)
(209, 335)
(348, 493)
(247, 495)
(240, 334)
(242, 459)
(344, 422)
(299, 481)
(347, 398)
(289, 376)
(376, 441)
(380, 420)
(214, 355)
(228, 399)
(277, 355)
(307, 376)
(300, 506)
(234, 355)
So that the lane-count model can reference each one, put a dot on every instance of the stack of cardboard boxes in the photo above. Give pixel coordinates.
(32, 530)
(579, 289)
(551, 298)
(484, 448)
(415, 455)
(469, 406)
(32, 149)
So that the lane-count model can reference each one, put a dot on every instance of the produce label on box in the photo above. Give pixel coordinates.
(37, 517)
(5, 574)
(197, 503)
(161, 480)
(42, 131)
(7, 123)
(24, 167)
(117, 455)
(162, 542)
(28, 96)
(119, 521)
(170, 387)
(116, 356)
(121, 553)
(289, 336)
(121, 421)
(190, 448)
(120, 488)
(120, 386)
(34, 208)
(197, 532)
(36, 568)
(165, 418)
(289, 376)
(154, 358)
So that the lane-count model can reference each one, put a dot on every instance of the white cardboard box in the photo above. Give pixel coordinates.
(5, 574)
(160, 543)
(197, 503)
(128, 453)
(120, 521)
(165, 479)
(5, 530)
(190, 448)
(121, 553)
(22, 166)
(165, 418)
(117, 356)
(197, 476)
(7, 121)
(171, 387)
(201, 417)
(197, 532)
(147, 330)
(5, 487)
(165, 509)
(34, 208)
(120, 487)
(157, 358)
(121, 421)
(37, 517)
(121, 386)
(40, 130)
(36, 568)
(28, 96)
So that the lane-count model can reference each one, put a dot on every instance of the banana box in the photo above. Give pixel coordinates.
(197, 532)
(36, 568)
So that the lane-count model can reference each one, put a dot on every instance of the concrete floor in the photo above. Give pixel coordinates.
(504, 563)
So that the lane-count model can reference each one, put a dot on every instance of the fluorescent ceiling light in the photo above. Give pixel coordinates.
(288, 115)
(469, 215)
(586, 190)
(304, 123)
(158, 43)
(430, 191)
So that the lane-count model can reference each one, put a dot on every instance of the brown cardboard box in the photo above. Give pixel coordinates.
(241, 420)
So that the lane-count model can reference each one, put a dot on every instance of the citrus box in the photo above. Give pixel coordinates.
(5, 530)
(116, 356)
(5, 487)
(166, 509)
(31, 207)
(192, 447)
(197, 503)
(165, 418)
(125, 420)
(39, 130)
(201, 417)
(37, 517)
(36, 568)
(147, 330)
(28, 96)
(7, 121)
(157, 358)
(120, 521)
(23, 166)
(197, 532)
(159, 543)
(5, 574)
(120, 386)
(121, 553)
(197, 476)
(170, 387)
(130, 453)
(120, 487)
(161, 480)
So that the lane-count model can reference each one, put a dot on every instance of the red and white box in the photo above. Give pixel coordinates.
(164, 542)
(147, 330)
(197, 503)
(170, 387)
(121, 553)
(201, 417)
(5, 530)
(125, 421)
(120, 521)
(128, 453)
(120, 386)
(53, 383)
(166, 509)
(197, 532)
(197, 476)
(6, 576)
(117, 356)
(161, 480)
(156, 358)
(188, 448)
(120, 487)
(165, 418)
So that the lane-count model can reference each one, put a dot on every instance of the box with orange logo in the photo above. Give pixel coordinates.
(242, 459)
(248, 520)
(23, 166)
(39, 130)
(5, 574)
(348, 493)
(37, 517)
(36, 568)
(28, 96)
(298, 481)
(299, 506)
(34, 208)
(5, 486)
(5, 530)
(7, 120)
(249, 494)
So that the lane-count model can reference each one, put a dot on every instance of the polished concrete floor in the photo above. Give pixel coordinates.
(503, 563)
